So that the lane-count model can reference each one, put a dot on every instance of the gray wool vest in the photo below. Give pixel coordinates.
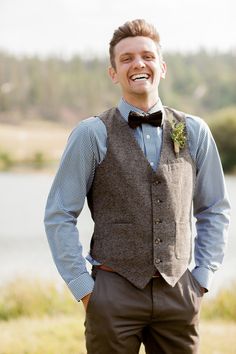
(142, 217)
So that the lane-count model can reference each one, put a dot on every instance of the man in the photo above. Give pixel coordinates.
(141, 174)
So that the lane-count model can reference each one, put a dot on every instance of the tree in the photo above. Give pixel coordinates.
(223, 127)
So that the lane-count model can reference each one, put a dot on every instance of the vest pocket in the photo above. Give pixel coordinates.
(118, 243)
(183, 240)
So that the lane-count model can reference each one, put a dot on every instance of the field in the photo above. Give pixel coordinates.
(32, 145)
(38, 318)
(64, 335)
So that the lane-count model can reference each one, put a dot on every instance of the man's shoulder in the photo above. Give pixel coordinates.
(197, 129)
(190, 118)
(89, 126)
(199, 135)
(97, 121)
(196, 124)
(90, 122)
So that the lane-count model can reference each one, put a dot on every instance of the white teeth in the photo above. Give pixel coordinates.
(140, 77)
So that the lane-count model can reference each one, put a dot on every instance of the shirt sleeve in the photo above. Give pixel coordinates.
(65, 202)
(210, 204)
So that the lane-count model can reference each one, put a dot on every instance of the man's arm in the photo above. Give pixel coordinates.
(211, 208)
(64, 204)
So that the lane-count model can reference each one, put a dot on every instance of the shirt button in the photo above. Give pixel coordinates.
(157, 261)
(148, 136)
(152, 163)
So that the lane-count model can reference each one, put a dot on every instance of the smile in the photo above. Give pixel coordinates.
(140, 77)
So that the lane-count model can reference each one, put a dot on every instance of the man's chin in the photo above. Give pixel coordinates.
(143, 91)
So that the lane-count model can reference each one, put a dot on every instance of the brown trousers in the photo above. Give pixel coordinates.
(120, 317)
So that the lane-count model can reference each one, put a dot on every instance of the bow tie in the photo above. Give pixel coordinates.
(135, 119)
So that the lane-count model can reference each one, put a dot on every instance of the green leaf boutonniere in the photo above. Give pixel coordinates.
(178, 136)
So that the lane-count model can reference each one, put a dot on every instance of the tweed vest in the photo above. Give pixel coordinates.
(142, 217)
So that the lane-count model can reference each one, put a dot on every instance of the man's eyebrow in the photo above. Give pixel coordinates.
(148, 52)
(143, 52)
(126, 53)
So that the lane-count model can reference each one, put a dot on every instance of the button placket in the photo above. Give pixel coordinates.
(157, 241)
(158, 221)
(157, 196)
(156, 183)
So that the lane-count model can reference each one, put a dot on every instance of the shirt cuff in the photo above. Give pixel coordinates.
(204, 276)
(81, 286)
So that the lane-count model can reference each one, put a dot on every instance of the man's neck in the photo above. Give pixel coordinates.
(144, 104)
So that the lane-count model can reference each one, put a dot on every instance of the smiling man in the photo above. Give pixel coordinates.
(144, 169)
(137, 66)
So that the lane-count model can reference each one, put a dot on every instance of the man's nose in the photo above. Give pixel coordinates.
(139, 62)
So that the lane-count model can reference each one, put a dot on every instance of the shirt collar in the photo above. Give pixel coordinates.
(124, 108)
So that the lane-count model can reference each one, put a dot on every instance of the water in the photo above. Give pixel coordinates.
(24, 250)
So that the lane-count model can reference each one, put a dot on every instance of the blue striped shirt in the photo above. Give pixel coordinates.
(86, 149)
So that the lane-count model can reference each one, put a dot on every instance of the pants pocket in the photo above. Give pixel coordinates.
(92, 298)
(195, 284)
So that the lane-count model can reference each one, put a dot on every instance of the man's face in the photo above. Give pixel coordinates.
(139, 68)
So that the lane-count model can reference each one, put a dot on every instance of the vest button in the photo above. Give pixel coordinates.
(159, 201)
(158, 221)
(157, 261)
(157, 182)
(157, 241)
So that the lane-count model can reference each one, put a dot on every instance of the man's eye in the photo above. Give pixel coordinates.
(126, 59)
(148, 57)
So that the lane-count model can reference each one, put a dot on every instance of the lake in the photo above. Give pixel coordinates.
(24, 250)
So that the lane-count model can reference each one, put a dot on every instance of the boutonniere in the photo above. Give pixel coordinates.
(178, 135)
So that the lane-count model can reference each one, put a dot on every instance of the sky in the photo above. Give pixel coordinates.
(68, 27)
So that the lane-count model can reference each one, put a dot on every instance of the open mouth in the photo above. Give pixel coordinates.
(140, 77)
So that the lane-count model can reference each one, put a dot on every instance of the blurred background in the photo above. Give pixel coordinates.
(53, 74)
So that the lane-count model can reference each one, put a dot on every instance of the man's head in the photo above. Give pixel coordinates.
(136, 63)
(133, 28)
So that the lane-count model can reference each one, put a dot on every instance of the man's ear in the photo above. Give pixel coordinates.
(163, 70)
(113, 75)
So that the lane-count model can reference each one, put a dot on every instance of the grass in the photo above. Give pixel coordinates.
(222, 307)
(37, 317)
(34, 298)
(63, 334)
(47, 335)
